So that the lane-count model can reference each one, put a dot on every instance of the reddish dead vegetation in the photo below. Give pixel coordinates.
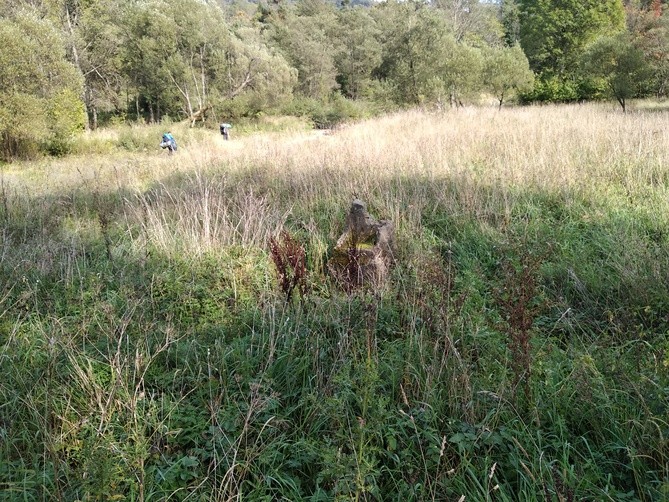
(352, 276)
(290, 260)
(656, 8)
(520, 304)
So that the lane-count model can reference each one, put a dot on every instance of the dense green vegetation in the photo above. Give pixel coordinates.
(519, 350)
(74, 63)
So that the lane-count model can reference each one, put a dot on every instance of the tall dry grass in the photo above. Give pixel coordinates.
(475, 161)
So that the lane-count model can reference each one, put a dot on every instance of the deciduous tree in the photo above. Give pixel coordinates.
(149, 49)
(305, 33)
(506, 70)
(554, 33)
(472, 21)
(39, 89)
(648, 26)
(94, 42)
(359, 51)
(619, 64)
(416, 41)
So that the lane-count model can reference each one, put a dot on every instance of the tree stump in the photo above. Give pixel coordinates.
(364, 253)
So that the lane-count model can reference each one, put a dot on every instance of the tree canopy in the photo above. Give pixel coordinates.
(619, 64)
(203, 61)
(506, 70)
(553, 33)
(40, 90)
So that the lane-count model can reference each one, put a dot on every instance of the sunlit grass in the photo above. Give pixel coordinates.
(150, 355)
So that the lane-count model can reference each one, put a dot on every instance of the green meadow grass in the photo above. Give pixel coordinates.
(518, 351)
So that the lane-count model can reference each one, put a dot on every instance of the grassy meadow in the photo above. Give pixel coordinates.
(518, 351)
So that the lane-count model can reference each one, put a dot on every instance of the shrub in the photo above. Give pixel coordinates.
(66, 118)
(325, 115)
(552, 89)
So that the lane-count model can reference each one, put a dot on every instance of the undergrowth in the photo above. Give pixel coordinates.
(154, 346)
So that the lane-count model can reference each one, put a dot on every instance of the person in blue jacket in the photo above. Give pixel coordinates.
(169, 142)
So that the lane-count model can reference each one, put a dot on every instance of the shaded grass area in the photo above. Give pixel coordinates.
(519, 351)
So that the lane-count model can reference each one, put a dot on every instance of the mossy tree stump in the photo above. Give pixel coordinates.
(364, 253)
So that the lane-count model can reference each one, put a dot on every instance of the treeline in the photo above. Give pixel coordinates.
(70, 64)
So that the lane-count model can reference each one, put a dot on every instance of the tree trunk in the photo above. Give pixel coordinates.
(91, 110)
(75, 56)
(623, 104)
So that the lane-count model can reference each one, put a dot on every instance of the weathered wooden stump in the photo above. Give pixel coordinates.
(364, 253)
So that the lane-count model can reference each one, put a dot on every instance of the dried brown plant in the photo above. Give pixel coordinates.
(290, 260)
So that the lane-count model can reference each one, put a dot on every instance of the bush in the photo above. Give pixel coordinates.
(552, 90)
(139, 138)
(592, 88)
(329, 114)
(94, 142)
